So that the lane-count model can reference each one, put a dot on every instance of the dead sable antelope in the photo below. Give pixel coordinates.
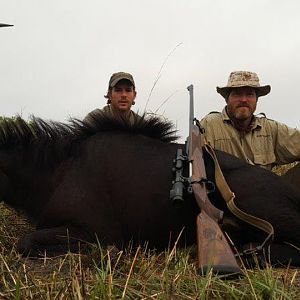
(112, 180)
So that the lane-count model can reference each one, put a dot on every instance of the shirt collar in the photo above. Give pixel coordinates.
(257, 124)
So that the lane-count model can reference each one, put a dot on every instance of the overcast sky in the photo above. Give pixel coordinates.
(57, 59)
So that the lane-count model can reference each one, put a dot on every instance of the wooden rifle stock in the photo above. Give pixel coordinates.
(213, 249)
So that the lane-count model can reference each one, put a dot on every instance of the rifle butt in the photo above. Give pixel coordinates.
(214, 252)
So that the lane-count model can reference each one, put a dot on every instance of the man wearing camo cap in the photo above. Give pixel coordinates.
(253, 138)
(120, 97)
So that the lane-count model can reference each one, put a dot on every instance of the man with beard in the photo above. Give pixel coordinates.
(253, 138)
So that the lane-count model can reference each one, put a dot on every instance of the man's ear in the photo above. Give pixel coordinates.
(135, 93)
(108, 97)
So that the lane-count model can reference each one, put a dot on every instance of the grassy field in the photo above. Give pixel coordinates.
(129, 274)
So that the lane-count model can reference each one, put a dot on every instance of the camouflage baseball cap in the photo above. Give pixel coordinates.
(116, 77)
(242, 79)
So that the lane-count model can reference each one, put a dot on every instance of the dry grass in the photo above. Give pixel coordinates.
(280, 170)
(129, 274)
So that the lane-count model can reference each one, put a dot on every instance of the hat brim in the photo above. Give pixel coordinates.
(114, 82)
(260, 91)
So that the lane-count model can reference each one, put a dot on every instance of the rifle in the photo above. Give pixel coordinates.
(213, 249)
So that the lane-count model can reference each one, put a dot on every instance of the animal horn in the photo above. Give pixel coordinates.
(5, 25)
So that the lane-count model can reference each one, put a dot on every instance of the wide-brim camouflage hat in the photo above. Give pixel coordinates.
(116, 77)
(244, 79)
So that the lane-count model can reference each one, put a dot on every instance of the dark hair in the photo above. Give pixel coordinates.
(50, 142)
(107, 96)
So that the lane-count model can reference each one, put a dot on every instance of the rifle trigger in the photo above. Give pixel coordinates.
(210, 186)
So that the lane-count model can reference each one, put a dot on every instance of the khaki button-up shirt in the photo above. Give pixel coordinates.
(268, 143)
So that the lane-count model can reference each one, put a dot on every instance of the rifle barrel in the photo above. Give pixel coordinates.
(190, 88)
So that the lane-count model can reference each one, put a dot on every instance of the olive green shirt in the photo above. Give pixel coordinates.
(108, 110)
(269, 143)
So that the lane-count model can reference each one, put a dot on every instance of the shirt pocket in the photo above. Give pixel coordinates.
(263, 153)
(264, 159)
(224, 144)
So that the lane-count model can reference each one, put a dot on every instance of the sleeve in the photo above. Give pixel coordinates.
(87, 118)
(90, 117)
(287, 143)
(208, 130)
